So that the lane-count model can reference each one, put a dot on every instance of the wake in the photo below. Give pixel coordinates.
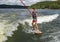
(42, 19)
(6, 29)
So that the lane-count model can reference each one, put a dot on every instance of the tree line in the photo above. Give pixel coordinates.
(47, 4)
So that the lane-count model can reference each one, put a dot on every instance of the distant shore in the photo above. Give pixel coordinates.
(13, 6)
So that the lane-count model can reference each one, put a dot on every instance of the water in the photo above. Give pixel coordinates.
(48, 22)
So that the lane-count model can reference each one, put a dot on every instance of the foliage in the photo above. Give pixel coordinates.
(47, 4)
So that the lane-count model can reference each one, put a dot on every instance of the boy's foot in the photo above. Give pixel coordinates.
(33, 28)
(38, 32)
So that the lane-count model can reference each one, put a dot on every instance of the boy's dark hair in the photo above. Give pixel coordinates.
(33, 8)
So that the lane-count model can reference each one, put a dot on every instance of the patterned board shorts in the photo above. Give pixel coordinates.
(34, 20)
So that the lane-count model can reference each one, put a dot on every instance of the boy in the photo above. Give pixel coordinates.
(34, 21)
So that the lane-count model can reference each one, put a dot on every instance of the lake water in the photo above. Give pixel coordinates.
(48, 22)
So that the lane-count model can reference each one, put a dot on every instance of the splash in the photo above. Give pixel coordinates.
(6, 30)
(42, 19)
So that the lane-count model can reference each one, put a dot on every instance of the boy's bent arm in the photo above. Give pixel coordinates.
(31, 14)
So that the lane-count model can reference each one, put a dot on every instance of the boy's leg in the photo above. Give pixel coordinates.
(33, 25)
(36, 26)
(37, 29)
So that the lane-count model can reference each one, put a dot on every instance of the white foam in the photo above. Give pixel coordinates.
(6, 30)
(42, 19)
